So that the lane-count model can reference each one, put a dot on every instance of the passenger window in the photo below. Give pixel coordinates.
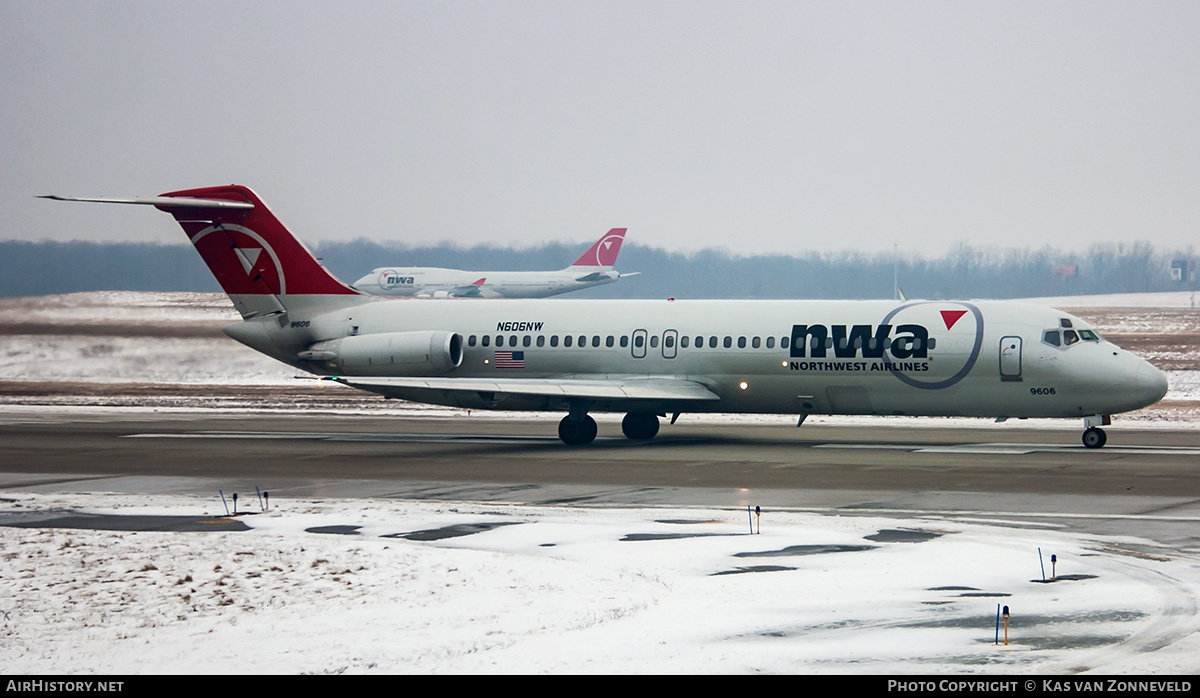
(583, 340)
(471, 341)
(485, 340)
(596, 340)
(669, 341)
(1069, 337)
(683, 342)
(741, 342)
(755, 343)
(499, 340)
(770, 342)
(712, 342)
(1051, 338)
(728, 341)
(512, 341)
(567, 340)
(932, 342)
(541, 341)
(526, 341)
(553, 340)
(608, 341)
(624, 341)
(638, 341)
(654, 342)
(785, 342)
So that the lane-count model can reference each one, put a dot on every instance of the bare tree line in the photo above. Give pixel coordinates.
(966, 271)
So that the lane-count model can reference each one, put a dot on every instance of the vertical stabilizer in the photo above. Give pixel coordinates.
(604, 252)
(259, 264)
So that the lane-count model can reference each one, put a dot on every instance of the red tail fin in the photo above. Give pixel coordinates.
(249, 250)
(604, 252)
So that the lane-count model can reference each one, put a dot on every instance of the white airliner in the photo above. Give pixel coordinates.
(593, 268)
(650, 358)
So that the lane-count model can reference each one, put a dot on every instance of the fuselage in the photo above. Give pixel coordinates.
(979, 358)
(646, 358)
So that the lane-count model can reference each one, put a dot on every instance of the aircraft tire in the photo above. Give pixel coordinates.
(640, 425)
(1094, 437)
(577, 432)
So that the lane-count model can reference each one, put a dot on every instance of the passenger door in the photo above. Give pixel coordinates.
(1010, 359)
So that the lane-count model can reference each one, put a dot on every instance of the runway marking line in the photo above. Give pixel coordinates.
(1015, 449)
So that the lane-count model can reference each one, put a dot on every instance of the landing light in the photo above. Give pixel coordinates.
(743, 385)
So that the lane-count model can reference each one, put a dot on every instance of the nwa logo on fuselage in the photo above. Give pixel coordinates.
(391, 279)
(870, 342)
(900, 345)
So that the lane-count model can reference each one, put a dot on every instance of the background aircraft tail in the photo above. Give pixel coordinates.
(604, 252)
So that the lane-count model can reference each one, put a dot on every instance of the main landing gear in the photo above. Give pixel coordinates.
(640, 425)
(1093, 435)
(577, 431)
(580, 429)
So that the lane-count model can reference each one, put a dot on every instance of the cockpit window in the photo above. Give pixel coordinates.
(1066, 337)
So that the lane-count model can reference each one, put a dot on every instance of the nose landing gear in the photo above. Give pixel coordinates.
(1093, 435)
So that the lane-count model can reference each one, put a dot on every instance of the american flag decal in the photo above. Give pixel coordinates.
(510, 359)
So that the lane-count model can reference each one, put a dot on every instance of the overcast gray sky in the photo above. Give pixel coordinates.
(760, 127)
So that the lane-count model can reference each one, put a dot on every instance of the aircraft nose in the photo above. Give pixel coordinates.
(1150, 384)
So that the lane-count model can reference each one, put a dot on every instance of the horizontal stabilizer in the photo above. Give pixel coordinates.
(167, 201)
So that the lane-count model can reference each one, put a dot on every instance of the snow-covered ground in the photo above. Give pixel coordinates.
(370, 586)
(1169, 299)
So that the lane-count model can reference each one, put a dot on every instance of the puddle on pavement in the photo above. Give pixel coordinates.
(1064, 578)
(799, 550)
(752, 569)
(335, 530)
(456, 531)
(902, 535)
(120, 522)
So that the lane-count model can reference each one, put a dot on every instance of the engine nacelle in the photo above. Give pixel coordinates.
(390, 354)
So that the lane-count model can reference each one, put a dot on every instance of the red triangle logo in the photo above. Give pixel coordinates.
(951, 316)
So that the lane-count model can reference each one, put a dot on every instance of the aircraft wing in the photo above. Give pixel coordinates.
(475, 290)
(592, 388)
